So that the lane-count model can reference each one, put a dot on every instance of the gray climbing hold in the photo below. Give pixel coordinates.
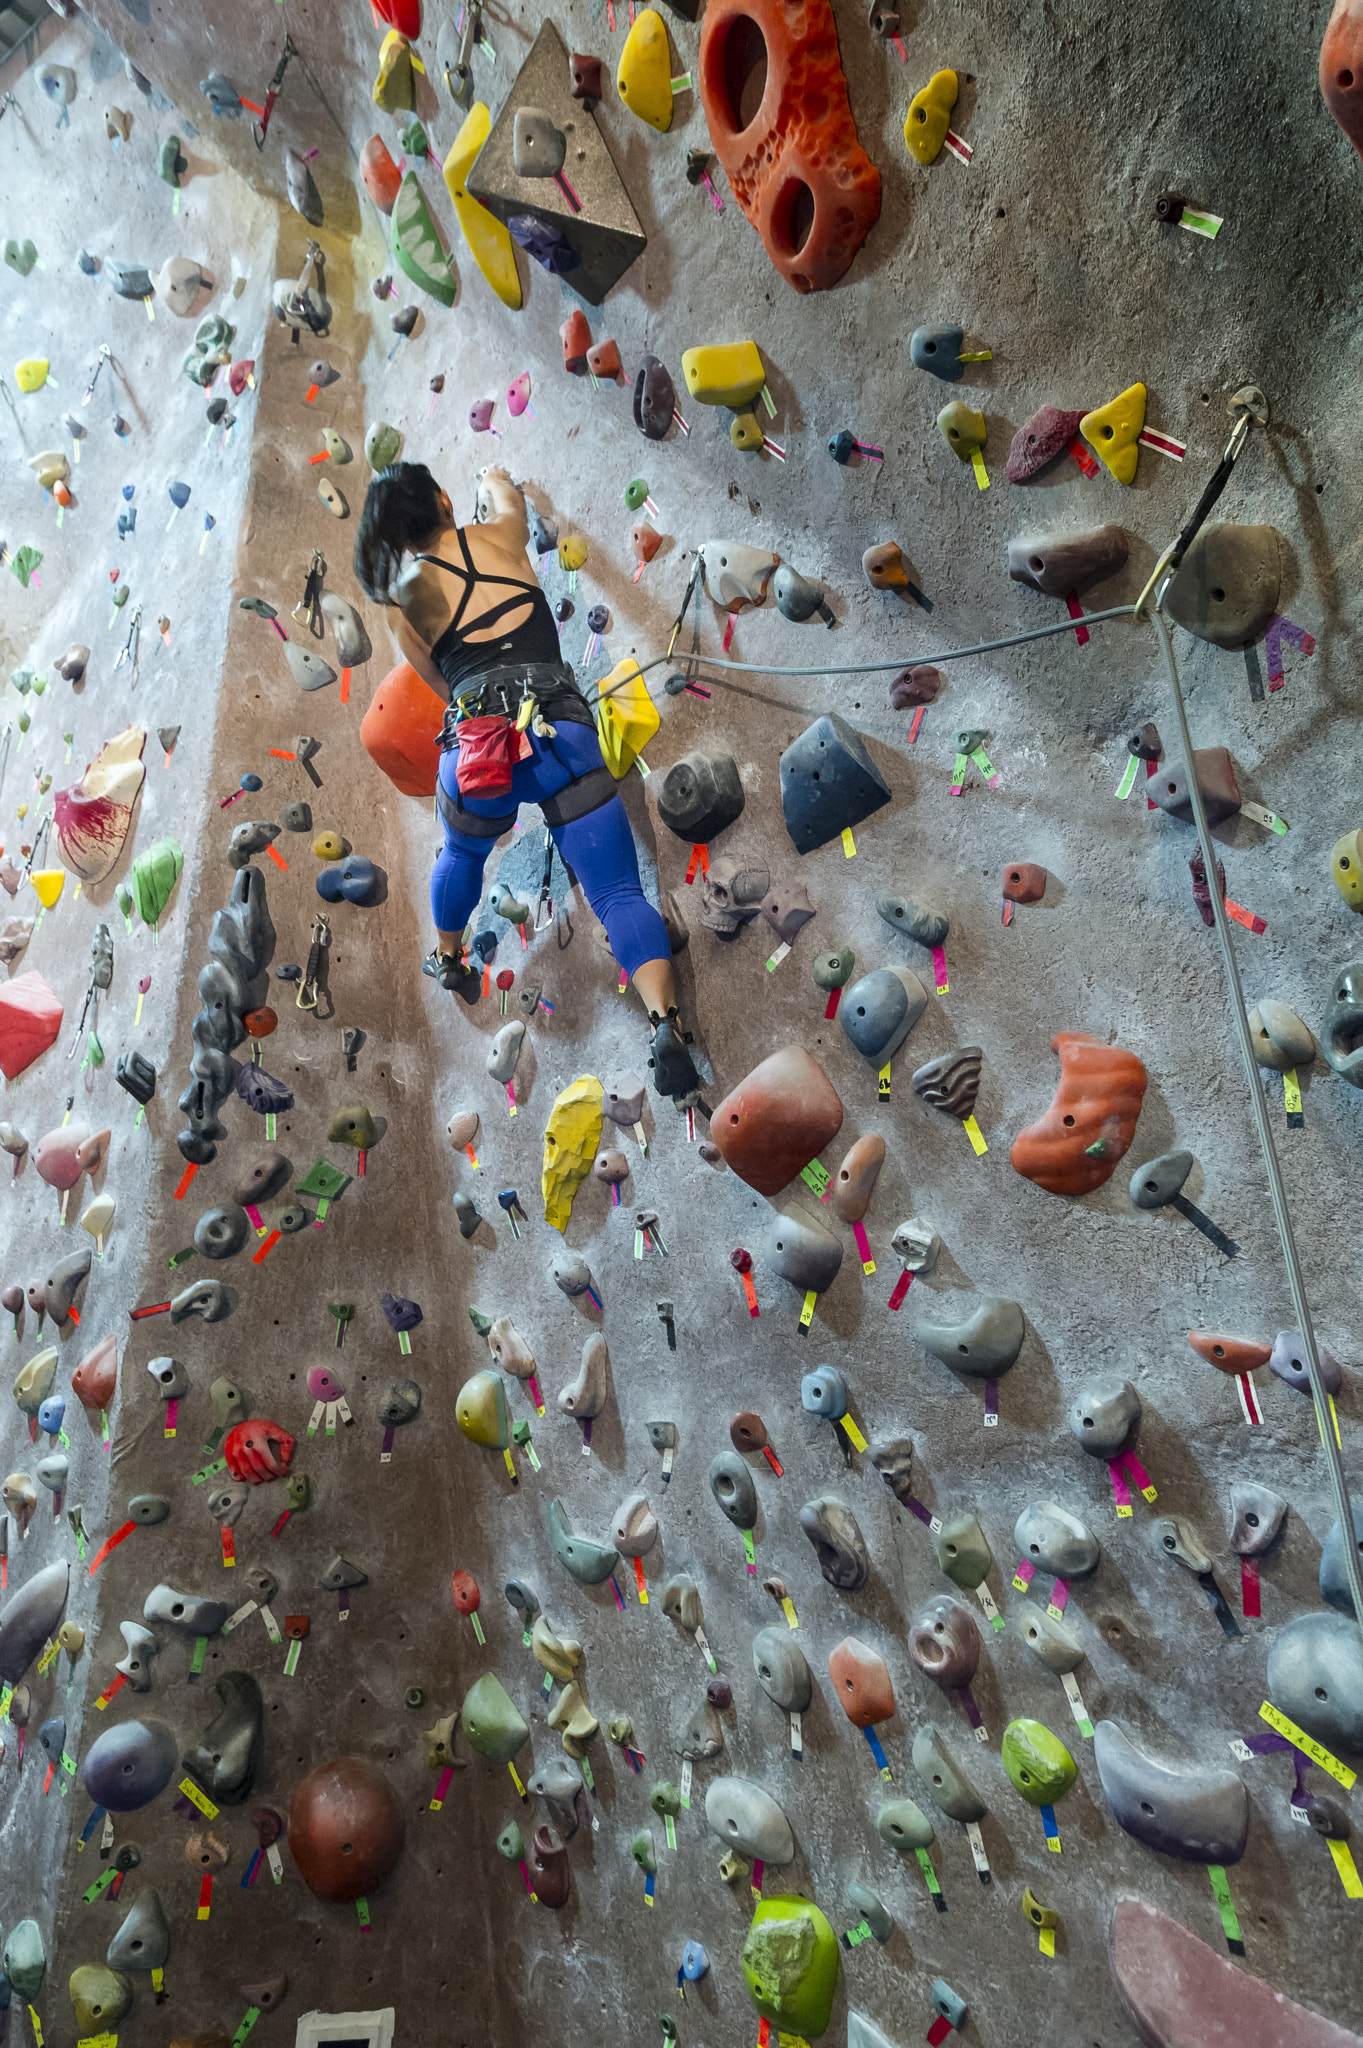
(227, 1754)
(1199, 1815)
(1334, 1586)
(824, 1392)
(1058, 563)
(1215, 778)
(340, 1575)
(904, 1826)
(948, 1787)
(747, 1818)
(304, 197)
(148, 1509)
(1287, 1362)
(187, 1612)
(798, 598)
(1105, 1416)
(828, 783)
(963, 1551)
(401, 1404)
(30, 1617)
(206, 1298)
(731, 1483)
(936, 348)
(127, 1765)
(1179, 1540)
(893, 1460)
(1315, 1677)
(221, 1233)
(700, 795)
(252, 836)
(981, 1345)
(1281, 1040)
(699, 1734)
(1055, 1541)
(310, 672)
(681, 1602)
(135, 1663)
(1049, 1641)
(624, 1100)
(1228, 584)
(800, 1250)
(143, 1941)
(838, 1542)
(1259, 1514)
(538, 148)
(589, 1563)
(505, 1051)
(951, 1081)
(170, 1376)
(1341, 1027)
(353, 645)
(1159, 1180)
(878, 1012)
(873, 1911)
(1328, 1818)
(559, 1782)
(928, 927)
(782, 1669)
(917, 1244)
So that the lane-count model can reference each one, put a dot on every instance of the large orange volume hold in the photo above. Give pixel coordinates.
(791, 155)
(772, 1125)
(1075, 1147)
(346, 1829)
(400, 731)
(1341, 69)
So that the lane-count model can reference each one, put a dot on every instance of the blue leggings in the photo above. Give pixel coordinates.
(598, 848)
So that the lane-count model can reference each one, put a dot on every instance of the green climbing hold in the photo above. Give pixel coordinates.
(171, 164)
(414, 139)
(323, 1180)
(25, 1960)
(511, 1843)
(24, 561)
(790, 1965)
(643, 1851)
(154, 875)
(382, 445)
(1038, 1764)
(416, 245)
(492, 1721)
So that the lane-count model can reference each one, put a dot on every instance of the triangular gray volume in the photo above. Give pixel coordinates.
(606, 236)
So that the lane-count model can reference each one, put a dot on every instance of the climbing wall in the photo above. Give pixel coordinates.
(1035, 232)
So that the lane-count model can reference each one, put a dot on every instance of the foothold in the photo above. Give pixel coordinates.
(929, 117)
(1328, 1818)
(731, 1483)
(1055, 1541)
(346, 1829)
(937, 348)
(787, 909)
(1259, 1516)
(101, 1997)
(1227, 588)
(221, 1233)
(148, 1509)
(655, 399)
(1341, 1028)
(1199, 1815)
(854, 1183)
(944, 1641)
(1157, 1182)
(799, 598)
(1049, 1641)
(832, 970)
(928, 927)
(1346, 866)
(128, 1765)
(635, 1528)
(699, 1734)
(948, 1787)
(838, 1542)
(782, 1671)
(1113, 432)
(861, 1682)
(873, 1911)
(918, 685)
(1315, 1677)
(587, 1562)
(951, 1081)
(800, 140)
(584, 78)
(1037, 1762)
(905, 1826)
(829, 783)
(799, 1249)
(824, 1393)
(505, 1051)
(141, 1647)
(1098, 1097)
(382, 445)
(917, 1245)
(188, 1612)
(700, 795)
(585, 1396)
(893, 1460)
(790, 1965)
(1057, 564)
(143, 1940)
(1334, 1583)
(381, 177)
(963, 1552)
(1105, 1416)
(736, 575)
(32, 1614)
(603, 360)
(1024, 882)
(576, 337)
(964, 430)
(732, 893)
(538, 148)
(773, 1123)
(560, 1783)
(561, 1656)
(747, 1818)
(682, 1603)
(878, 1012)
(1281, 1041)
(983, 1344)
(227, 1755)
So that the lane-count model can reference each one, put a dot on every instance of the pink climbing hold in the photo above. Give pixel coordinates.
(30, 1018)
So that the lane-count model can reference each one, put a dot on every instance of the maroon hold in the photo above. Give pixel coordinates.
(915, 686)
(584, 75)
(1024, 882)
(740, 1260)
(268, 1824)
(346, 1830)
(944, 1642)
(1202, 895)
(549, 1870)
(748, 1432)
(719, 1694)
(1044, 437)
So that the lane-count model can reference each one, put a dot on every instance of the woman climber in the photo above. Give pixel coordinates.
(479, 630)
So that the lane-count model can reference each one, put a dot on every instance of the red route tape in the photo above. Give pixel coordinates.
(112, 1543)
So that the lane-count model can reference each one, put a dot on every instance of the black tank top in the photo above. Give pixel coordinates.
(461, 661)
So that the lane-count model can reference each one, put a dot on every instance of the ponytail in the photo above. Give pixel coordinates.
(401, 509)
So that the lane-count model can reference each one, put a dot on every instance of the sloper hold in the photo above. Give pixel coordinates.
(1105, 1416)
(493, 1724)
(571, 1138)
(800, 145)
(143, 1940)
(1199, 1815)
(962, 1551)
(1180, 1994)
(855, 1180)
(1037, 1762)
(30, 1616)
(1049, 1641)
(605, 237)
(731, 1483)
(1098, 1098)
(1334, 1585)
(747, 1818)
(417, 248)
(1058, 563)
(1281, 1040)
(948, 1786)
(838, 1543)
(790, 1965)
(93, 817)
(1216, 779)
(773, 1123)
(929, 117)
(878, 1918)
(980, 1345)
(1259, 1515)
(1156, 1183)
(487, 239)
(126, 1766)
(800, 1250)
(30, 1018)
(589, 1563)
(304, 197)
(728, 373)
(346, 1830)
(1055, 1540)
(783, 1671)
(227, 1755)
(1227, 589)
(643, 77)
(1315, 1677)
(829, 783)
(878, 1012)
(904, 1825)
(861, 1682)
(1113, 431)
(787, 909)
(1179, 1540)
(1047, 434)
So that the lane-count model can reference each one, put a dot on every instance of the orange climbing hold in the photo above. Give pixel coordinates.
(1075, 1147)
(788, 145)
(382, 178)
(1341, 69)
(400, 731)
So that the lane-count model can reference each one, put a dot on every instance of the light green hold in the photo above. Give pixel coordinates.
(643, 1852)
(511, 1843)
(1038, 1764)
(20, 256)
(171, 163)
(492, 1721)
(665, 1798)
(416, 245)
(790, 1965)
(963, 1551)
(101, 1996)
(414, 140)
(153, 876)
(382, 445)
(25, 1960)
(962, 428)
(904, 1825)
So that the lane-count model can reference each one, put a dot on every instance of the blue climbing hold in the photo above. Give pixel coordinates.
(937, 349)
(352, 881)
(828, 783)
(179, 496)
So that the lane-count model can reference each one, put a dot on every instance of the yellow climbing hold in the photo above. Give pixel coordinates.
(49, 883)
(50, 468)
(643, 78)
(571, 1138)
(395, 87)
(626, 717)
(480, 1411)
(1113, 431)
(929, 116)
(724, 373)
(31, 374)
(745, 430)
(489, 243)
(572, 551)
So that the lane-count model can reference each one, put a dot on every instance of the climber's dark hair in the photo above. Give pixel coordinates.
(401, 509)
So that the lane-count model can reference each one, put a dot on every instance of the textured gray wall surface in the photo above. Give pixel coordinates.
(1046, 251)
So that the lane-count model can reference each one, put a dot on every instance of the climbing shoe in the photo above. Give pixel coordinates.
(452, 973)
(674, 1070)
